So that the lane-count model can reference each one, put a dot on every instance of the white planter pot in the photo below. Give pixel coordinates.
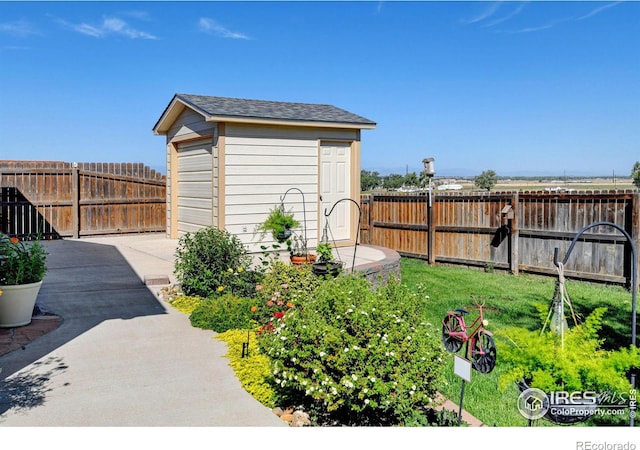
(16, 304)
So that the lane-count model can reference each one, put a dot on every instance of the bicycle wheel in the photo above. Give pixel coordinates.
(483, 352)
(451, 323)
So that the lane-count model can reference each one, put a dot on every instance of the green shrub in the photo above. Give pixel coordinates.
(284, 286)
(212, 262)
(253, 371)
(222, 313)
(357, 356)
(241, 282)
(577, 363)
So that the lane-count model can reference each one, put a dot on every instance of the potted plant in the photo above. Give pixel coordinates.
(325, 264)
(22, 268)
(299, 254)
(279, 223)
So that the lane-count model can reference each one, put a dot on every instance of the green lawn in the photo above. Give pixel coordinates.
(510, 300)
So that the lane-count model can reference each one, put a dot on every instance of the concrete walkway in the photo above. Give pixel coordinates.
(121, 357)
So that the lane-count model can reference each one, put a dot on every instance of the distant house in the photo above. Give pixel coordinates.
(450, 187)
(229, 161)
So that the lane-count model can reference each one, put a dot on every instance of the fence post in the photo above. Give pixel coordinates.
(514, 236)
(370, 239)
(431, 232)
(75, 201)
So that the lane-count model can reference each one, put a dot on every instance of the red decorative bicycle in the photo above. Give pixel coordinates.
(455, 332)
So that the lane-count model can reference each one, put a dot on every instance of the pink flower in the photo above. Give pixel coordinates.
(259, 287)
(276, 294)
(269, 303)
(280, 303)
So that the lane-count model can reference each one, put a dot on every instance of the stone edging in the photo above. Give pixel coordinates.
(375, 270)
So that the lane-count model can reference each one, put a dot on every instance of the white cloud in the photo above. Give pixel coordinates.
(115, 25)
(556, 22)
(533, 29)
(138, 14)
(210, 26)
(512, 14)
(109, 26)
(89, 30)
(19, 28)
(598, 10)
(489, 11)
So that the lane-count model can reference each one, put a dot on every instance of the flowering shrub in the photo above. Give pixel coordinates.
(212, 262)
(21, 262)
(285, 286)
(359, 356)
(239, 281)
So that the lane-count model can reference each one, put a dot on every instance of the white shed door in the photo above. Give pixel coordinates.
(335, 182)
(195, 183)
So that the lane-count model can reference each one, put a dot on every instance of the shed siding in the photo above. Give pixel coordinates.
(190, 125)
(261, 164)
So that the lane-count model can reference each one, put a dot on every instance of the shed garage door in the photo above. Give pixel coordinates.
(195, 183)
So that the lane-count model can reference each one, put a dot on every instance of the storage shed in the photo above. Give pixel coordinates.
(229, 161)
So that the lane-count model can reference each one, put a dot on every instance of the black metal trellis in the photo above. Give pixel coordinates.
(634, 281)
(304, 214)
(327, 214)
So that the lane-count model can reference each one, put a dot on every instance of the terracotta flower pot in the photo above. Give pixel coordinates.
(305, 259)
(16, 304)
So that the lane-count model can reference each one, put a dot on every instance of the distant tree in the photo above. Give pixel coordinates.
(411, 179)
(369, 180)
(424, 179)
(393, 181)
(486, 180)
(635, 174)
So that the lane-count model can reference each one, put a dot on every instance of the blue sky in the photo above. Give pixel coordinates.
(516, 87)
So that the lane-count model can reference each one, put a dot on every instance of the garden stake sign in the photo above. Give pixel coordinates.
(462, 368)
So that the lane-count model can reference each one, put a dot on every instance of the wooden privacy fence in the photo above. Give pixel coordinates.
(513, 231)
(59, 199)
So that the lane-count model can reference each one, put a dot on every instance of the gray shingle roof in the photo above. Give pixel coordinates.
(262, 109)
